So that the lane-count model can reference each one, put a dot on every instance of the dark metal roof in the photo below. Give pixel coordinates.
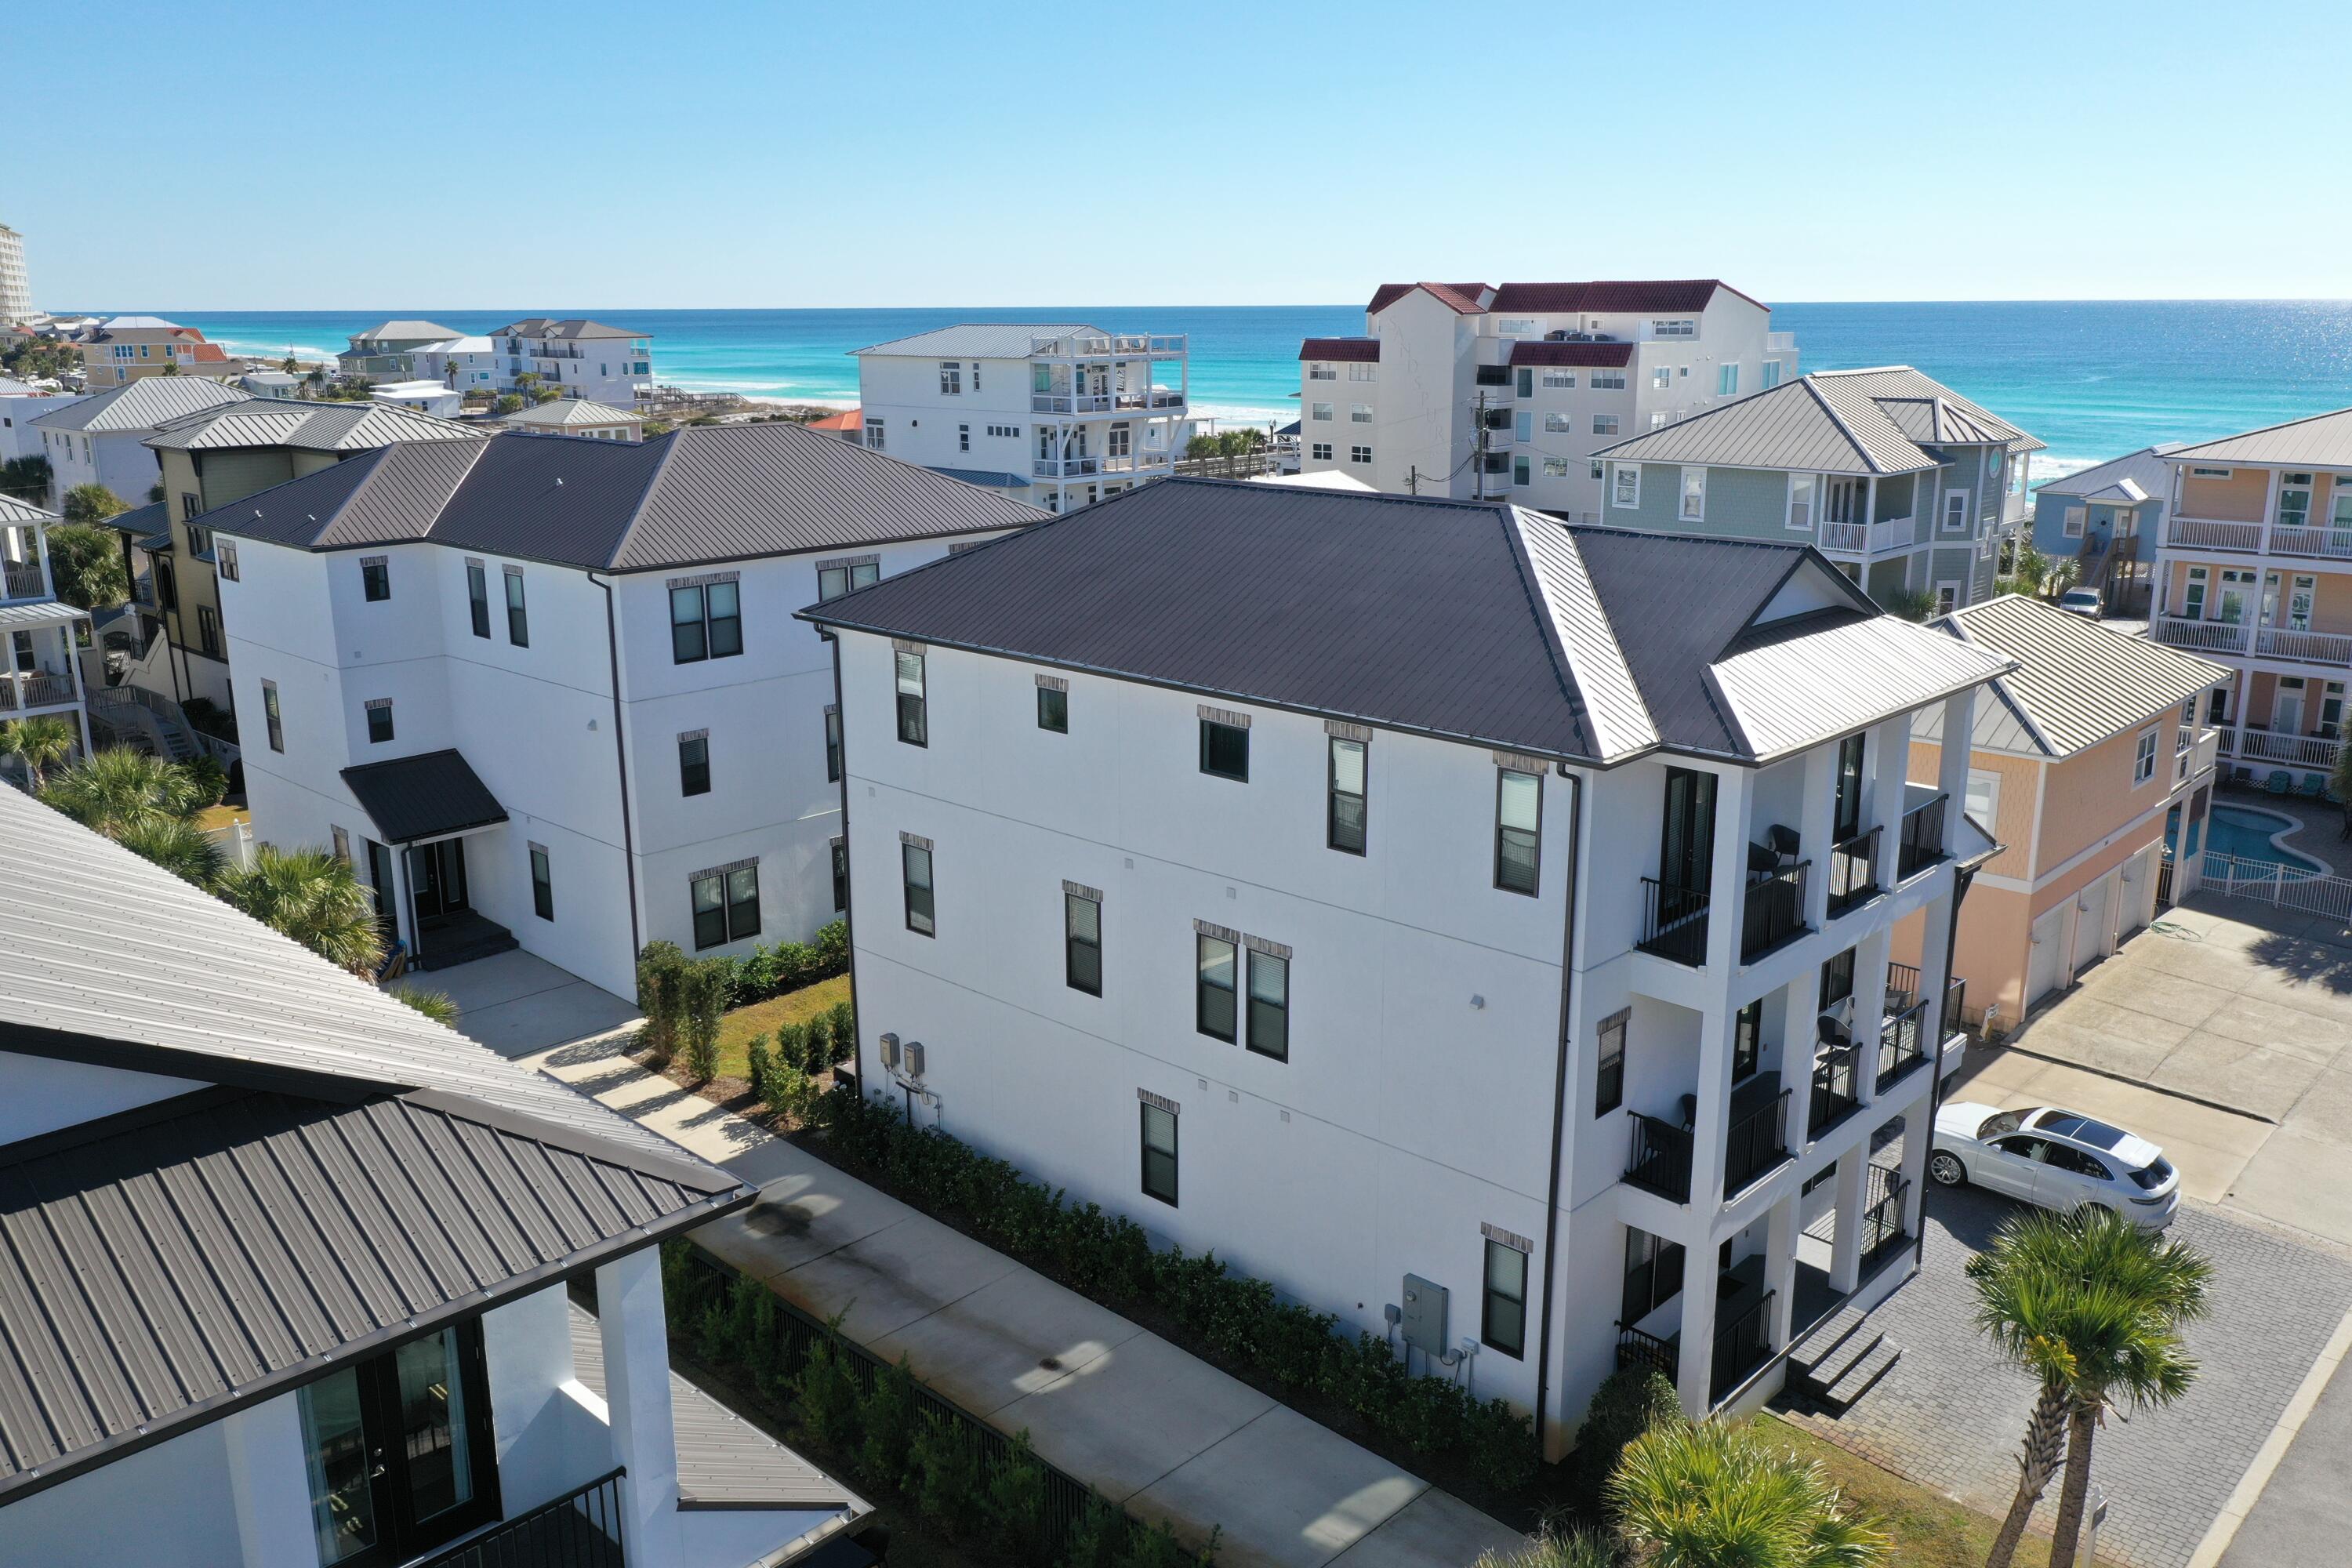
(1672, 294)
(698, 495)
(1572, 353)
(1388, 294)
(1360, 351)
(425, 796)
(168, 1264)
(155, 517)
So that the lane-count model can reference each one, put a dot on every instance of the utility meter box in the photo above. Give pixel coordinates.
(911, 1053)
(890, 1053)
(1425, 1315)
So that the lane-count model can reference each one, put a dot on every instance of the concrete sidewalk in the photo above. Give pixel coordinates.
(1149, 1427)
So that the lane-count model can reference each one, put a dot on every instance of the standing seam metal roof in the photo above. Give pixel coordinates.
(2078, 683)
(2322, 440)
(979, 340)
(1835, 422)
(313, 427)
(140, 404)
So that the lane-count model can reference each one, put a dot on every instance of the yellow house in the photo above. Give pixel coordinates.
(2079, 761)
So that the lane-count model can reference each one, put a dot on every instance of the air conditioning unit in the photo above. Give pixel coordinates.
(913, 1053)
(890, 1053)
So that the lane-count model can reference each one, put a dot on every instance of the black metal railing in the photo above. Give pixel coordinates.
(1853, 871)
(1923, 837)
(1661, 1160)
(1956, 1011)
(1673, 920)
(1774, 911)
(1741, 1346)
(1902, 985)
(1881, 1220)
(1901, 1044)
(1635, 1347)
(1757, 1141)
(580, 1529)
(1834, 1090)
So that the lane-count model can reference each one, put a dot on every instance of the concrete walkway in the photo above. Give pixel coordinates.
(519, 1005)
(1161, 1432)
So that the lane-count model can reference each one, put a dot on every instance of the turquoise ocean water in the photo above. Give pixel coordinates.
(2094, 379)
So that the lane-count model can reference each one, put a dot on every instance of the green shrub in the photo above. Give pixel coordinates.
(888, 1419)
(943, 1473)
(832, 949)
(826, 1394)
(1015, 1503)
(791, 1047)
(1156, 1546)
(759, 1068)
(661, 972)
(843, 1019)
(1098, 1537)
(703, 989)
(1628, 1404)
(816, 1051)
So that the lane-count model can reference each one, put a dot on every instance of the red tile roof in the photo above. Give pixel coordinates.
(1650, 294)
(1572, 353)
(847, 419)
(208, 353)
(1462, 296)
(1361, 351)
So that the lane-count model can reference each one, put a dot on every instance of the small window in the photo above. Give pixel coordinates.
(1608, 1077)
(1214, 1009)
(1503, 1321)
(726, 906)
(705, 622)
(1726, 380)
(2072, 527)
(1224, 750)
(694, 765)
(1082, 943)
(269, 715)
(517, 618)
(1159, 1153)
(840, 876)
(1344, 819)
(375, 580)
(343, 845)
(915, 876)
(477, 595)
(1360, 454)
(950, 378)
(832, 582)
(1662, 378)
(1559, 424)
(1359, 413)
(543, 885)
(1626, 485)
(833, 745)
(1054, 710)
(2143, 760)
(914, 718)
(1694, 507)
(225, 555)
(963, 437)
(379, 722)
(1518, 830)
(1800, 502)
(876, 437)
(1609, 381)
(1955, 510)
(1321, 411)
(1270, 1005)
(1322, 451)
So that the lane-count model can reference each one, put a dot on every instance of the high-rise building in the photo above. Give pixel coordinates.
(16, 290)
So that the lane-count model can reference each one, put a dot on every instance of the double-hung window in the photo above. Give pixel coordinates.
(518, 619)
(726, 905)
(1694, 507)
(833, 745)
(1054, 704)
(1608, 1072)
(915, 881)
(478, 597)
(1082, 939)
(1269, 1002)
(1159, 1152)
(846, 577)
(1321, 411)
(1626, 485)
(542, 884)
(1518, 829)
(1214, 1006)
(1800, 502)
(1955, 511)
(693, 763)
(706, 621)
(2143, 760)
(914, 717)
(1606, 424)
(1344, 816)
(270, 716)
(1503, 1314)
(375, 578)
(2071, 527)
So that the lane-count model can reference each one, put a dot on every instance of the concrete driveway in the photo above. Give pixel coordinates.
(519, 1005)
(2227, 1041)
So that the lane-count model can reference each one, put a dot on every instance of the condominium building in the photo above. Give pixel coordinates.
(130, 348)
(461, 363)
(1463, 389)
(578, 357)
(1904, 483)
(1474, 924)
(1060, 414)
(16, 286)
(290, 1266)
(40, 677)
(382, 353)
(549, 692)
(2255, 571)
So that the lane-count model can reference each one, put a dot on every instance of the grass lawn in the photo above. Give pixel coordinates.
(736, 1028)
(213, 818)
(1930, 1530)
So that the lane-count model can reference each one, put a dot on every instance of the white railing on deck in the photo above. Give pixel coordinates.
(2206, 534)
(2204, 637)
(2319, 648)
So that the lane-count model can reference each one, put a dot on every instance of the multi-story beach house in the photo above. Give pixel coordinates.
(131, 348)
(2105, 519)
(461, 363)
(1463, 389)
(1059, 414)
(288, 1268)
(2084, 763)
(382, 353)
(101, 439)
(1475, 924)
(579, 416)
(40, 675)
(2255, 571)
(1897, 478)
(578, 357)
(16, 286)
(549, 692)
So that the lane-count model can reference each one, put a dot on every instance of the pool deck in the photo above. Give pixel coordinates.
(2323, 825)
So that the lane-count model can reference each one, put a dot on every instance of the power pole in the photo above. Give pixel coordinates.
(1413, 480)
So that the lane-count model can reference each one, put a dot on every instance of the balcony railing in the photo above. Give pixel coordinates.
(2319, 543)
(580, 1529)
(2206, 534)
(2199, 636)
(1661, 1160)
(1158, 397)
(1065, 467)
(1901, 1045)
(1757, 1141)
(1923, 838)
(23, 579)
(1853, 871)
(1881, 1222)
(1109, 345)
(1637, 1348)
(1673, 922)
(2319, 648)
(1773, 910)
(1833, 1096)
(1741, 1346)
(39, 689)
(2264, 746)
(1070, 402)
(1866, 538)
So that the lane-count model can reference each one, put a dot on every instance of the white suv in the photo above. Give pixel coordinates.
(2056, 1159)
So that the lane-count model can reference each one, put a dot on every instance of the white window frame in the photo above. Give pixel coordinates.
(1322, 370)
(1681, 327)
(1619, 493)
(1693, 490)
(1961, 495)
(1804, 492)
(1362, 370)
(1992, 785)
(2144, 759)
(2077, 518)
(1662, 379)
(1555, 468)
(1608, 381)
(1557, 423)
(1359, 413)
(1320, 451)
(1320, 412)
(1360, 454)
(1610, 420)
(1949, 589)
(1556, 379)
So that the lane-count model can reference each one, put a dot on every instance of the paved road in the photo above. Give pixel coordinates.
(2304, 1513)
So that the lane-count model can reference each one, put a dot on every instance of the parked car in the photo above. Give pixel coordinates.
(2057, 1159)
(2084, 601)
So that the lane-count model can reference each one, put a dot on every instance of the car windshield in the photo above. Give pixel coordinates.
(2157, 1172)
(2082, 1128)
(1999, 1123)
(2081, 599)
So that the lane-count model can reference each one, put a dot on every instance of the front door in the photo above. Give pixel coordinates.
(2286, 708)
(399, 1452)
(1687, 849)
(439, 874)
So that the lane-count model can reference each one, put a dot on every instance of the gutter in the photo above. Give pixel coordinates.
(621, 768)
(1558, 1096)
(1963, 875)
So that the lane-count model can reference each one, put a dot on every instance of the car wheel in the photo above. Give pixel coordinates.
(1946, 1169)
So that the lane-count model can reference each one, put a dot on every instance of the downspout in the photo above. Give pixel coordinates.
(621, 764)
(1558, 1095)
(1963, 878)
(849, 904)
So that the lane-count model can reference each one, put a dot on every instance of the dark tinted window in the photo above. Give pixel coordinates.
(1224, 750)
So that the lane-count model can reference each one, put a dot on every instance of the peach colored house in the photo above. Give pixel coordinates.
(2080, 759)
(2254, 569)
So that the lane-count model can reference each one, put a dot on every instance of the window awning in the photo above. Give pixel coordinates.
(428, 796)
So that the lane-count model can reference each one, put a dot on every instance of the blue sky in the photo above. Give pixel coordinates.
(706, 153)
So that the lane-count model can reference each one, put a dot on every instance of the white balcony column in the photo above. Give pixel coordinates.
(1870, 960)
(1845, 1246)
(1886, 765)
(1935, 967)
(1781, 1265)
(1814, 819)
(636, 1394)
(73, 669)
(1917, 1126)
(1800, 1037)
(1693, 1376)
(1952, 769)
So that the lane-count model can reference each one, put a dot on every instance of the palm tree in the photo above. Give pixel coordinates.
(93, 502)
(39, 744)
(177, 844)
(85, 566)
(2092, 1304)
(312, 896)
(116, 788)
(1552, 1549)
(1715, 1496)
(437, 1006)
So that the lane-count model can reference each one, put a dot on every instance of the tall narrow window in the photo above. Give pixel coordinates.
(840, 874)
(1837, 979)
(225, 557)
(1800, 502)
(1269, 1005)
(833, 745)
(1159, 1153)
(1344, 817)
(1224, 750)
(914, 720)
(517, 620)
(1846, 817)
(1654, 1274)
(1215, 1007)
(1608, 1078)
(1747, 1039)
(1518, 830)
(375, 578)
(542, 884)
(1082, 942)
(1694, 495)
(1502, 1318)
(915, 876)
(269, 715)
(693, 764)
(379, 722)
(478, 597)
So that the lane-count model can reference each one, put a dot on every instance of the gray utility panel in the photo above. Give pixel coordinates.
(1425, 1315)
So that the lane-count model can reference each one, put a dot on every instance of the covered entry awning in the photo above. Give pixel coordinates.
(431, 796)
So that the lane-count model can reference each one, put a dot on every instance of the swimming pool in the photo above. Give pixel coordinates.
(2247, 833)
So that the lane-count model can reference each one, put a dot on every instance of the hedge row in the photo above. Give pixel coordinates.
(1108, 1256)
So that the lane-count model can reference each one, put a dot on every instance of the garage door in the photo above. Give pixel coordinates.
(2048, 960)
(2139, 892)
(2094, 909)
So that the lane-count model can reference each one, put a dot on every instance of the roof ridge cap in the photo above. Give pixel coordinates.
(1844, 429)
(675, 441)
(1513, 520)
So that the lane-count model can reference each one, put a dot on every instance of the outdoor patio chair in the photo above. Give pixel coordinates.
(2281, 782)
(2314, 786)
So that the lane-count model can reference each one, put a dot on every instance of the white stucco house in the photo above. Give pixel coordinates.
(550, 692)
(578, 357)
(287, 1268)
(1457, 911)
(100, 439)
